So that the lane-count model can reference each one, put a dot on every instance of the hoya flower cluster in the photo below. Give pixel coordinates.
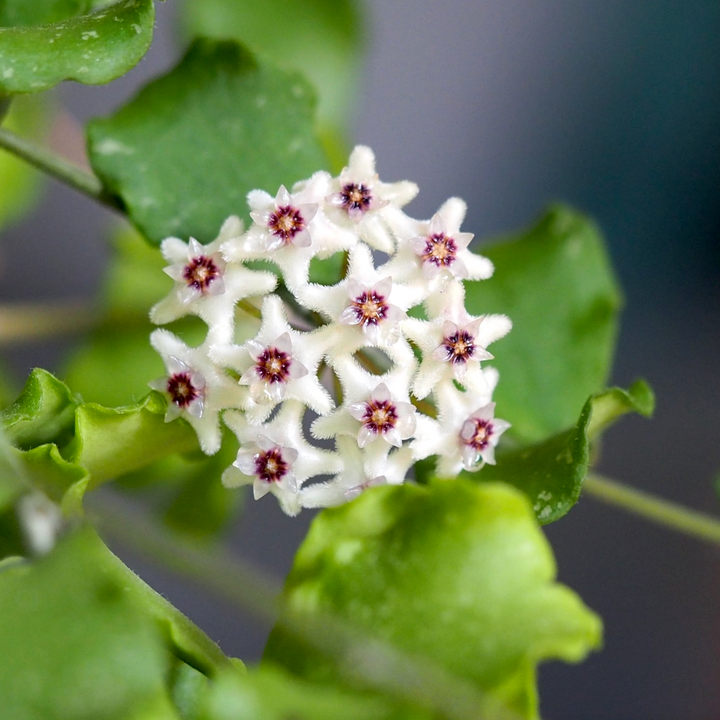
(405, 385)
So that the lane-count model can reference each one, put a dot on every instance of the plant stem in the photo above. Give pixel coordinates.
(664, 512)
(23, 322)
(59, 168)
(361, 660)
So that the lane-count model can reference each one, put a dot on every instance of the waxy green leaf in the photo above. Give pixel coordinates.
(320, 38)
(454, 572)
(92, 49)
(73, 644)
(556, 284)
(44, 412)
(185, 152)
(268, 693)
(551, 472)
(21, 13)
(65, 445)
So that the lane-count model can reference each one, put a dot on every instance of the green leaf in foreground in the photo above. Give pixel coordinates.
(185, 152)
(73, 645)
(455, 572)
(92, 49)
(551, 472)
(556, 284)
(272, 694)
(322, 41)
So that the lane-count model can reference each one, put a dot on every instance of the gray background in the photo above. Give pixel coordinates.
(615, 108)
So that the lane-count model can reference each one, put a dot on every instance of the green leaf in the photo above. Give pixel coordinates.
(12, 484)
(455, 572)
(185, 152)
(110, 442)
(556, 284)
(320, 38)
(44, 412)
(551, 472)
(271, 694)
(92, 49)
(202, 506)
(62, 442)
(188, 689)
(183, 638)
(21, 13)
(73, 644)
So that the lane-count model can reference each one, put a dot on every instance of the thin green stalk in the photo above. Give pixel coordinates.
(24, 322)
(673, 516)
(361, 660)
(59, 168)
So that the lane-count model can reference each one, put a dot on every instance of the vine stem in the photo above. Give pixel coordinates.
(58, 167)
(22, 322)
(664, 512)
(360, 659)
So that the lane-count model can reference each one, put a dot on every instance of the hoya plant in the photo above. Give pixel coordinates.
(276, 325)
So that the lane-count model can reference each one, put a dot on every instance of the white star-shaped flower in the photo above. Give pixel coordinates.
(290, 229)
(367, 306)
(194, 388)
(375, 406)
(205, 285)
(461, 435)
(454, 344)
(360, 198)
(275, 457)
(280, 363)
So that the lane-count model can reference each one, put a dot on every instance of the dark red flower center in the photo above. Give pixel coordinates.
(380, 416)
(370, 308)
(273, 366)
(181, 390)
(482, 434)
(286, 222)
(270, 465)
(440, 250)
(356, 197)
(200, 272)
(460, 346)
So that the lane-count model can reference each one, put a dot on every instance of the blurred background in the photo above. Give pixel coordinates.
(613, 107)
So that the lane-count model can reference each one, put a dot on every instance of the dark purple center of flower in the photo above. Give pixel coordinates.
(380, 416)
(200, 272)
(481, 437)
(460, 346)
(440, 250)
(370, 308)
(286, 222)
(273, 366)
(270, 466)
(181, 390)
(356, 197)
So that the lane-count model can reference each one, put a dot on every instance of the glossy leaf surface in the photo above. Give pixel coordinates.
(556, 284)
(73, 645)
(92, 49)
(551, 473)
(185, 152)
(454, 572)
(320, 38)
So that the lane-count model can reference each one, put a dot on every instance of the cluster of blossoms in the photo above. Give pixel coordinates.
(431, 398)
